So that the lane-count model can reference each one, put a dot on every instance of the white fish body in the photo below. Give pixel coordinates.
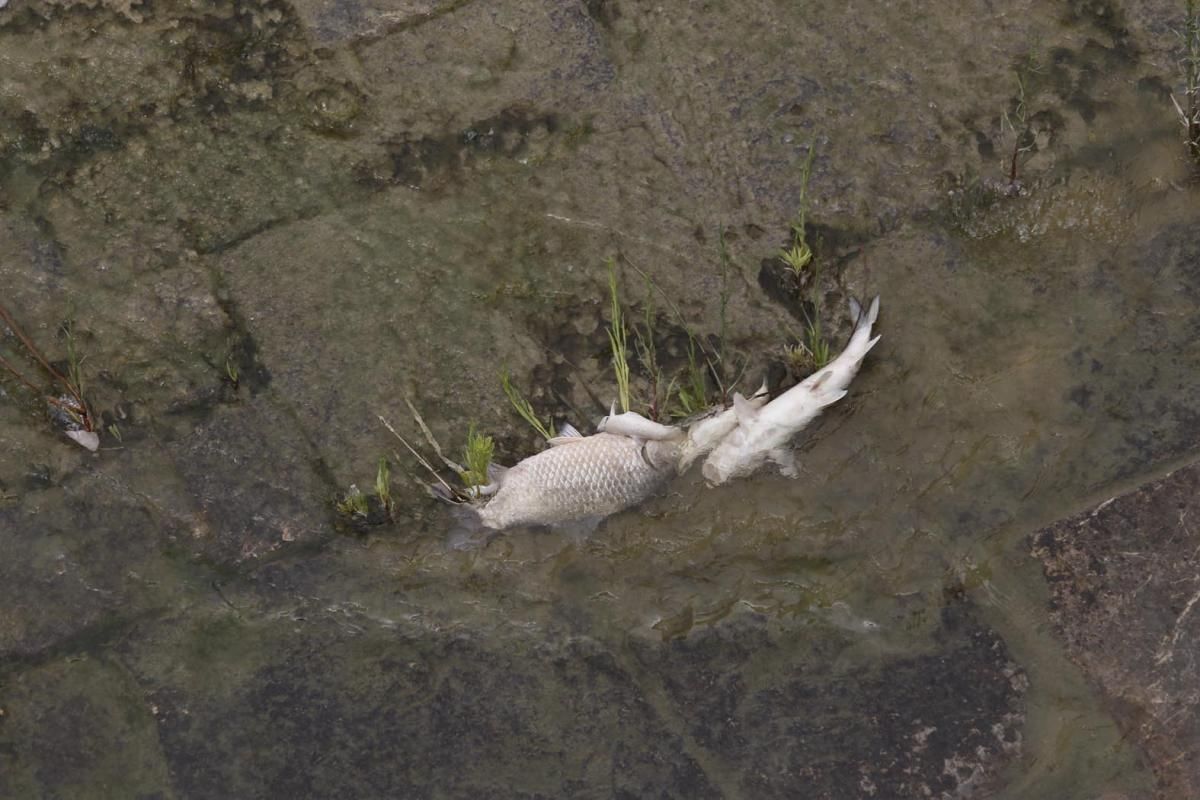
(762, 433)
(636, 426)
(705, 434)
(579, 478)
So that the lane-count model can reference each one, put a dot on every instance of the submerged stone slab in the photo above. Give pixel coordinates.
(78, 728)
(78, 567)
(254, 483)
(937, 724)
(334, 700)
(355, 708)
(1125, 596)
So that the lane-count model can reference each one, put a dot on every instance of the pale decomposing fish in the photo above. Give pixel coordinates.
(762, 434)
(586, 478)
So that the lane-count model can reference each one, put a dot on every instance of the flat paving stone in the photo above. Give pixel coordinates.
(1124, 583)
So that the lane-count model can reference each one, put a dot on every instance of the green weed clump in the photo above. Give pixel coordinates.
(354, 503)
(477, 455)
(357, 504)
(797, 257)
(811, 353)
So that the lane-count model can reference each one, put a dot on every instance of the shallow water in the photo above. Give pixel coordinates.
(346, 203)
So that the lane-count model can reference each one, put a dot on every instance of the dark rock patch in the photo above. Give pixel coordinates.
(940, 725)
(1125, 597)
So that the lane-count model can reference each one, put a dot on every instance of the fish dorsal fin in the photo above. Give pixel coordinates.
(567, 433)
(745, 410)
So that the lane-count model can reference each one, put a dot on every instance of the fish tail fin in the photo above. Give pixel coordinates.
(863, 323)
(861, 341)
(467, 531)
(857, 313)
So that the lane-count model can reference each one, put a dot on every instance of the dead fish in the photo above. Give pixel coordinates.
(697, 435)
(761, 434)
(580, 478)
(706, 432)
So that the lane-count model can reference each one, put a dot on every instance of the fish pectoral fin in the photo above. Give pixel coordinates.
(744, 409)
(833, 397)
(785, 459)
(496, 473)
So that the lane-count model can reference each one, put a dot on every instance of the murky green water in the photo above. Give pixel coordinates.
(347, 204)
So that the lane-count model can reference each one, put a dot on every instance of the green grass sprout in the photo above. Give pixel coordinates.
(647, 353)
(817, 345)
(726, 263)
(799, 232)
(797, 256)
(702, 354)
(383, 485)
(691, 395)
(524, 409)
(617, 336)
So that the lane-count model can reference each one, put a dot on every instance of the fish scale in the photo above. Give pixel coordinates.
(592, 476)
